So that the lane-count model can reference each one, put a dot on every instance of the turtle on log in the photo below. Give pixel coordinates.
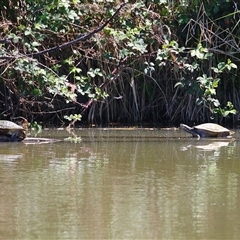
(207, 130)
(11, 132)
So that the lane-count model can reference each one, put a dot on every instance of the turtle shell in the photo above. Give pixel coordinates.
(8, 125)
(11, 132)
(211, 128)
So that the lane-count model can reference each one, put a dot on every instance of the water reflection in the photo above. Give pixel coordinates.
(209, 149)
(120, 185)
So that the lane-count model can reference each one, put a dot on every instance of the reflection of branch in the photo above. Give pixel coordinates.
(70, 131)
(79, 39)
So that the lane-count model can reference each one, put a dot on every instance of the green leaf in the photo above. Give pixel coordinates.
(36, 44)
(215, 83)
(216, 103)
(233, 65)
(138, 45)
(28, 32)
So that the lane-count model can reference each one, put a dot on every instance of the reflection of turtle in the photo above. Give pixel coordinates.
(11, 132)
(207, 130)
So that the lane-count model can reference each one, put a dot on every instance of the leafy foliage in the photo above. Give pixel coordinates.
(128, 71)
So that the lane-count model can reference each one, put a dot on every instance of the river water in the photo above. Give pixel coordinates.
(120, 184)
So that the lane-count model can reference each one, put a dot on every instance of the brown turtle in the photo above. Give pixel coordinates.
(207, 130)
(11, 132)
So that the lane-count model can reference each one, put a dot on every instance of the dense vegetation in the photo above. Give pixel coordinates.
(156, 61)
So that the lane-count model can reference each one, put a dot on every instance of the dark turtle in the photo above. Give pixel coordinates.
(11, 132)
(207, 130)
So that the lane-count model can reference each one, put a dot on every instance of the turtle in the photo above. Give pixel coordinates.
(207, 130)
(11, 132)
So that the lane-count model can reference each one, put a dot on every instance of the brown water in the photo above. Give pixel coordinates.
(120, 184)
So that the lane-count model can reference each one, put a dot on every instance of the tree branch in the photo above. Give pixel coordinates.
(79, 39)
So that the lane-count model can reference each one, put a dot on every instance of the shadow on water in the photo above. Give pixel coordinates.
(120, 184)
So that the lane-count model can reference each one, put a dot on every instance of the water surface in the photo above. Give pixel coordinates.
(120, 184)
